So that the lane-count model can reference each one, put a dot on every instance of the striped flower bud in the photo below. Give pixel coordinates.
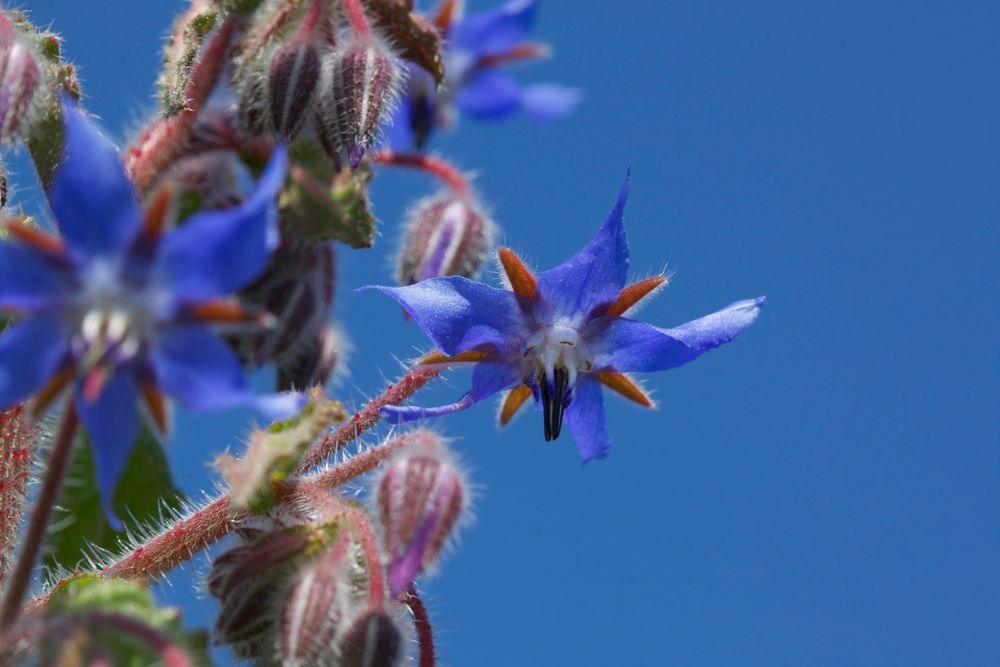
(248, 578)
(293, 76)
(360, 84)
(20, 81)
(374, 639)
(420, 498)
(446, 235)
(297, 288)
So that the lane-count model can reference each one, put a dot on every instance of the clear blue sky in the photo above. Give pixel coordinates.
(824, 491)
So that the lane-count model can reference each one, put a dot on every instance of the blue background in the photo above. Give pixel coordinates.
(822, 492)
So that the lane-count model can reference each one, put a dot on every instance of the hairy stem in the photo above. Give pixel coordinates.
(55, 471)
(443, 170)
(422, 624)
(17, 448)
(183, 538)
(367, 417)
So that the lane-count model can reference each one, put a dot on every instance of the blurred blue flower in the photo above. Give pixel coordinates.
(119, 310)
(559, 337)
(475, 47)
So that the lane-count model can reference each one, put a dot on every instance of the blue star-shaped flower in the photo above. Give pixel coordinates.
(560, 336)
(118, 309)
(474, 49)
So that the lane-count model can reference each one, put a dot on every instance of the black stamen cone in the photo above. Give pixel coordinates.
(552, 403)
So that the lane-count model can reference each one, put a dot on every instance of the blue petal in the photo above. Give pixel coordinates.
(30, 353)
(494, 30)
(459, 314)
(112, 423)
(544, 102)
(192, 364)
(28, 279)
(625, 345)
(490, 94)
(488, 378)
(215, 253)
(585, 420)
(397, 132)
(91, 197)
(592, 277)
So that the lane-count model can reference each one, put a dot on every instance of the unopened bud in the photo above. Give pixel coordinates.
(420, 499)
(447, 235)
(317, 360)
(20, 81)
(292, 80)
(319, 602)
(297, 289)
(214, 179)
(361, 82)
(246, 580)
(374, 638)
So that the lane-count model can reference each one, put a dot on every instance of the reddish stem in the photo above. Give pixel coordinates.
(422, 624)
(367, 417)
(356, 17)
(435, 166)
(38, 525)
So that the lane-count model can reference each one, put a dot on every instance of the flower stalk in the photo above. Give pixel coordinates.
(441, 169)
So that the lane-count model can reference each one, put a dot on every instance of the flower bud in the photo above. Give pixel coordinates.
(293, 76)
(20, 81)
(447, 235)
(420, 499)
(248, 577)
(360, 84)
(297, 289)
(316, 363)
(375, 638)
(216, 179)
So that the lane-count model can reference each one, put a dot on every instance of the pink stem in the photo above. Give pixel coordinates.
(435, 166)
(422, 624)
(367, 417)
(356, 17)
(38, 524)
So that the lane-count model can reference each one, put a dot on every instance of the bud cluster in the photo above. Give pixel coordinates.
(307, 69)
(307, 589)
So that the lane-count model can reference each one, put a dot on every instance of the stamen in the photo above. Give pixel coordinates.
(625, 386)
(522, 281)
(553, 405)
(515, 399)
(630, 295)
(94, 383)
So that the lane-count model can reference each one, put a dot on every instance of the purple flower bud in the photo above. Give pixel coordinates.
(20, 81)
(420, 499)
(374, 639)
(360, 84)
(447, 235)
(293, 77)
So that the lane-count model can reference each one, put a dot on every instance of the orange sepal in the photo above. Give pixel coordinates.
(156, 402)
(632, 294)
(436, 357)
(52, 389)
(154, 216)
(34, 237)
(625, 386)
(513, 402)
(522, 281)
(224, 311)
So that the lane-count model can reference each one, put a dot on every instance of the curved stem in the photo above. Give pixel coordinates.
(422, 624)
(55, 471)
(446, 172)
(356, 17)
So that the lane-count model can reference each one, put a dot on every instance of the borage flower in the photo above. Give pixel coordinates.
(560, 336)
(475, 48)
(117, 308)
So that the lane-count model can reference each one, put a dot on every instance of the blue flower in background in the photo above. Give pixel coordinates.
(475, 48)
(560, 336)
(118, 309)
